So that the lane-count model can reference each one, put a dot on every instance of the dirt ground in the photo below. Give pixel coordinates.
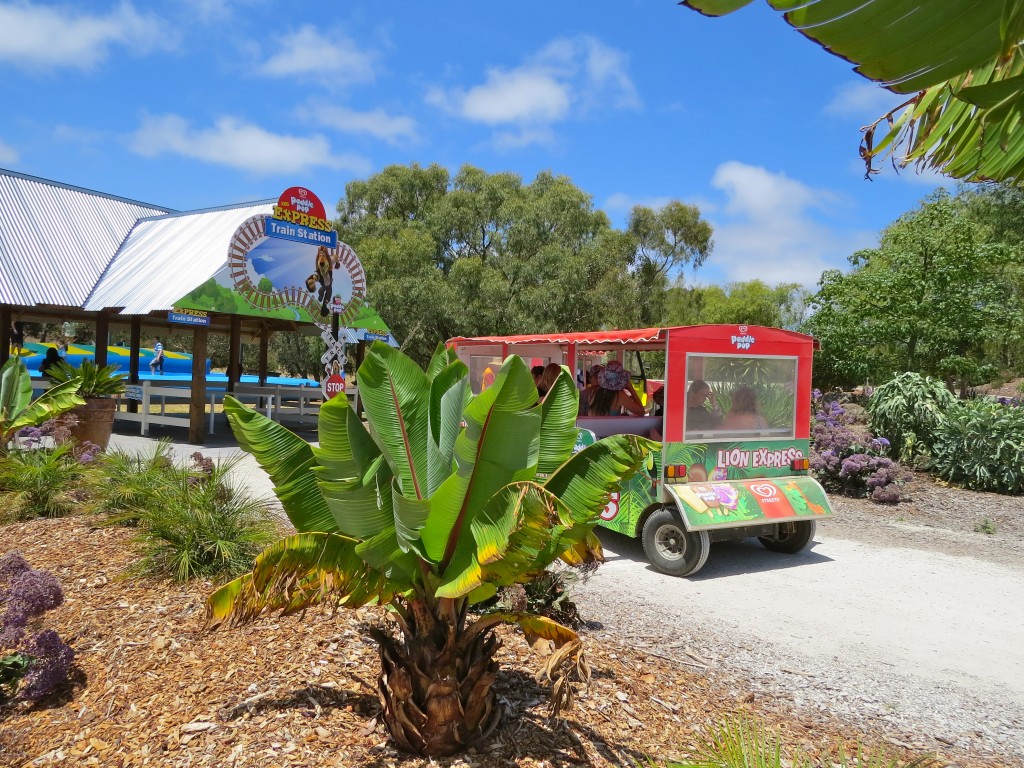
(152, 687)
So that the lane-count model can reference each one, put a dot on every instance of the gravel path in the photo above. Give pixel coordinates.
(902, 621)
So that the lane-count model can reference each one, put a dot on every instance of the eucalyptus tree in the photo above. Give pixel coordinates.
(958, 61)
(485, 253)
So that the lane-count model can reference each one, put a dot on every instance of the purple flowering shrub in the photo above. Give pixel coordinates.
(33, 669)
(847, 459)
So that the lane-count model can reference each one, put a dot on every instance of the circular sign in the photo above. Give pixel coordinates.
(334, 385)
(300, 205)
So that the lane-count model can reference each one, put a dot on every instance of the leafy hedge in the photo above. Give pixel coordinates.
(908, 409)
(980, 445)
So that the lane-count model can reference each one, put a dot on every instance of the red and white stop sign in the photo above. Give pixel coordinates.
(333, 385)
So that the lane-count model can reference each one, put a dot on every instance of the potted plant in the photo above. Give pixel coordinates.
(97, 386)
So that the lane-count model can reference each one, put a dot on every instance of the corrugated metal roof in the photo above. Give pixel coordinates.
(56, 240)
(166, 257)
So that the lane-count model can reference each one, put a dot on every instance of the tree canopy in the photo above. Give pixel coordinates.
(483, 253)
(959, 61)
(939, 296)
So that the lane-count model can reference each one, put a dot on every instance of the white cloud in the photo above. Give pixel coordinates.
(767, 231)
(620, 202)
(8, 154)
(36, 36)
(393, 129)
(504, 141)
(863, 100)
(568, 78)
(333, 60)
(241, 145)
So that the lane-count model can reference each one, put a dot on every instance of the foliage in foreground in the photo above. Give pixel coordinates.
(129, 483)
(908, 409)
(979, 444)
(440, 500)
(17, 408)
(39, 482)
(747, 744)
(93, 380)
(38, 662)
(200, 525)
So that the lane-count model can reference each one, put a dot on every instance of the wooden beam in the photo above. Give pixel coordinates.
(234, 352)
(133, 358)
(197, 402)
(264, 353)
(6, 316)
(102, 338)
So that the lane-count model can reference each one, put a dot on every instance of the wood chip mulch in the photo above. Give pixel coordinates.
(152, 687)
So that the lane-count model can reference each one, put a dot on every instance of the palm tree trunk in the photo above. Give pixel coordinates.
(436, 682)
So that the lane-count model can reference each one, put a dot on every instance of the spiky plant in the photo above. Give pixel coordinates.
(439, 500)
(126, 483)
(93, 380)
(40, 482)
(201, 525)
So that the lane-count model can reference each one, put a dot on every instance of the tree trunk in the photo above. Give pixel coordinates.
(436, 682)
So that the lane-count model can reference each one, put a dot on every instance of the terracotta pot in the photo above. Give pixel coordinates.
(95, 421)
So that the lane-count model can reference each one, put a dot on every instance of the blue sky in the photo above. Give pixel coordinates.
(200, 103)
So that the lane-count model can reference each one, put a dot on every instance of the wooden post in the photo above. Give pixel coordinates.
(5, 333)
(197, 403)
(102, 338)
(234, 352)
(133, 359)
(264, 353)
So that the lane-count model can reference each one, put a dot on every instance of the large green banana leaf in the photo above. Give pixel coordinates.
(906, 45)
(526, 526)
(300, 571)
(499, 445)
(17, 408)
(396, 396)
(289, 461)
(960, 57)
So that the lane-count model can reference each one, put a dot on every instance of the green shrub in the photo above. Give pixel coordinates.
(202, 526)
(746, 744)
(39, 482)
(907, 410)
(126, 484)
(980, 445)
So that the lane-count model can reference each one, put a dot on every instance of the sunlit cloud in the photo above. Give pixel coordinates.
(863, 100)
(332, 60)
(36, 37)
(8, 154)
(775, 228)
(569, 78)
(394, 129)
(237, 144)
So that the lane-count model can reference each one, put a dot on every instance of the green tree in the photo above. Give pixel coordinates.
(437, 502)
(667, 240)
(482, 253)
(925, 300)
(752, 302)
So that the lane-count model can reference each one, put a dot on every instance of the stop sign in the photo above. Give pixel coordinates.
(333, 385)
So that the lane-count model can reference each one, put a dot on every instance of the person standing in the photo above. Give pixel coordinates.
(17, 337)
(158, 357)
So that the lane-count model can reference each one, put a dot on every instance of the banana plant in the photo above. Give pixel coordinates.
(959, 62)
(17, 408)
(441, 498)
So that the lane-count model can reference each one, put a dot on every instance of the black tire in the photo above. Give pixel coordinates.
(790, 537)
(670, 547)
